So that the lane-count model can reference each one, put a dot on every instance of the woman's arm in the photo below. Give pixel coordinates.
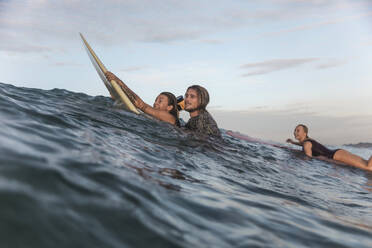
(307, 148)
(159, 114)
(136, 100)
(139, 103)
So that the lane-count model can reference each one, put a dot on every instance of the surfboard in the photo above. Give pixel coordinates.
(114, 89)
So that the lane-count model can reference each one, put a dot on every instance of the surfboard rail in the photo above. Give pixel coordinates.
(114, 89)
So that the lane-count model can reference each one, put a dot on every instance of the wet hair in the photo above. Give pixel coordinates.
(306, 129)
(203, 96)
(172, 101)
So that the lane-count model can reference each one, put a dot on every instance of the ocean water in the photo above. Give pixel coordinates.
(76, 171)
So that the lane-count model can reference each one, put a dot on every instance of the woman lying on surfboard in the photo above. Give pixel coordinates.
(164, 108)
(313, 148)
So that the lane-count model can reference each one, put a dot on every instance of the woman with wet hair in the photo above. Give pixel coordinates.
(201, 121)
(164, 107)
(313, 148)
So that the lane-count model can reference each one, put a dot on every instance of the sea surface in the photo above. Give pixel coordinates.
(77, 171)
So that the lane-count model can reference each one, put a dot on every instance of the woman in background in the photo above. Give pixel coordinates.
(314, 148)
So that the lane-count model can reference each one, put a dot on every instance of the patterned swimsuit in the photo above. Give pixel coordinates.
(203, 123)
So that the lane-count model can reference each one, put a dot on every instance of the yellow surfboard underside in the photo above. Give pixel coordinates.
(115, 90)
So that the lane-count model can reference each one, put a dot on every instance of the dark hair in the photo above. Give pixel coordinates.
(172, 101)
(203, 96)
(306, 130)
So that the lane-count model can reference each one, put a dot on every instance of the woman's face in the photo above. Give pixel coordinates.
(161, 103)
(299, 133)
(191, 100)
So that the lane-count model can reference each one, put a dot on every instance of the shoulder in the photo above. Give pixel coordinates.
(307, 144)
(202, 117)
(205, 115)
(308, 140)
(203, 123)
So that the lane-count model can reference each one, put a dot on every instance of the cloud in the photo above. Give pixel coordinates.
(315, 25)
(24, 25)
(269, 66)
(24, 48)
(66, 64)
(169, 34)
(213, 42)
(133, 68)
(333, 63)
(366, 43)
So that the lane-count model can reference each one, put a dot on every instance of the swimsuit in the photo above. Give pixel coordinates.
(203, 123)
(320, 150)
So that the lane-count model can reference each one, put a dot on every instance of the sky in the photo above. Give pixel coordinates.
(267, 64)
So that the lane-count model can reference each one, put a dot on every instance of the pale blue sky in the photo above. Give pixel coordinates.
(268, 64)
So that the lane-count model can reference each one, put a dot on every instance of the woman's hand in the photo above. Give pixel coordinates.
(289, 141)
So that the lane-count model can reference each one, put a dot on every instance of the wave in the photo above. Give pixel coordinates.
(77, 171)
(360, 145)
